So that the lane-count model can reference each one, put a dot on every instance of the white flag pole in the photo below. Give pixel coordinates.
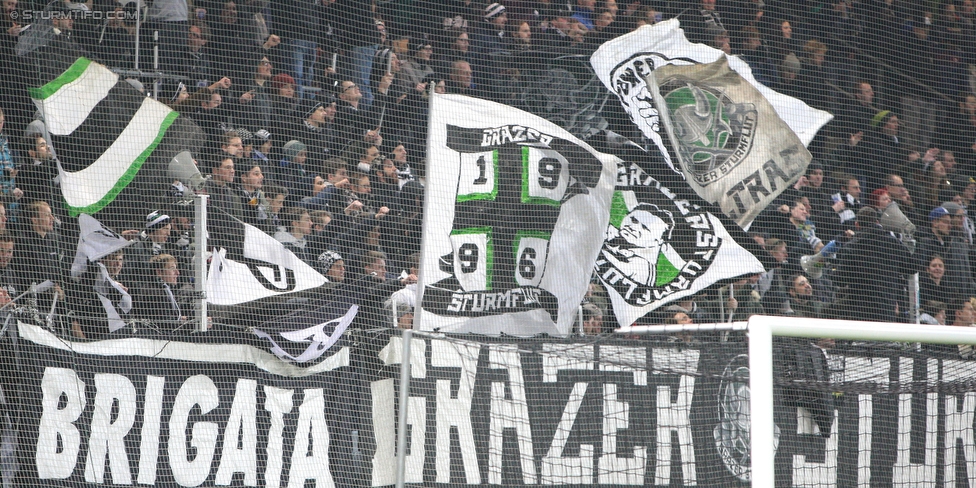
(200, 259)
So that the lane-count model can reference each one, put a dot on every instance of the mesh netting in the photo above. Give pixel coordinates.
(243, 200)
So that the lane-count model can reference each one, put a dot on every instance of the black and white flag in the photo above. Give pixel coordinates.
(736, 142)
(514, 215)
(262, 267)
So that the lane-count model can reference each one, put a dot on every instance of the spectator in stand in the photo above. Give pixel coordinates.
(8, 183)
(933, 313)
(699, 21)
(416, 65)
(154, 240)
(461, 81)
(930, 183)
(292, 174)
(256, 207)
(938, 239)
(234, 42)
(224, 202)
(385, 188)
(844, 205)
(323, 233)
(592, 320)
(254, 101)
(802, 302)
(900, 195)
(300, 23)
(855, 115)
(773, 285)
(232, 144)
(332, 266)
(555, 35)
(873, 267)
(275, 195)
(213, 117)
(36, 178)
(789, 69)
(284, 102)
(260, 154)
(156, 300)
(317, 128)
(960, 221)
(456, 46)
(816, 78)
(39, 257)
(584, 9)
(10, 281)
(959, 131)
(962, 314)
(356, 123)
(736, 302)
(521, 39)
(754, 53)
(299, 227)
(487, 43)
(930, 283)
(198, 65)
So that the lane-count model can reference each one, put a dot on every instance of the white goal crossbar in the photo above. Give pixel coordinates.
(761, 330)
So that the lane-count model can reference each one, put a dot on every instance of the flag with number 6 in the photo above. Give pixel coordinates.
(514, 216)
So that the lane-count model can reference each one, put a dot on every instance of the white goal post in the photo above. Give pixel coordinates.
(761, 330)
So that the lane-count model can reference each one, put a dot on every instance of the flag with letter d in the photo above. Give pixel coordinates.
(514, 215)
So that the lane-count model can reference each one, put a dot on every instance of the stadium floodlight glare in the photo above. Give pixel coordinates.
(761, 330)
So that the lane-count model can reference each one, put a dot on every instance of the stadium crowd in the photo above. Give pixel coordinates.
(315, 116)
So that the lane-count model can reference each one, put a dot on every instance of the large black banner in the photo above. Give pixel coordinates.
(616, 412)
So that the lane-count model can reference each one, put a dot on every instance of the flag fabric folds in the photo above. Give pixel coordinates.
(95, 241)
(261, 268)
(308, 343)
(116, 126)
(514, 215)
(660, 247)
(724, 154)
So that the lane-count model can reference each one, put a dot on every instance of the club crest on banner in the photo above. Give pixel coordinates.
(713, 132)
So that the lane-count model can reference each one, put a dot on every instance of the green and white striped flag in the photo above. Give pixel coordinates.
(89, 108)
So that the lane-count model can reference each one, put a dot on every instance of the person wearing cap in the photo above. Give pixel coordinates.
(153, 241)
(416, 65)
(313, 123)
(260, 154)
(487, 43)
(938, 239)
(332, 266)
(959, 221)
(872, 270)
(291, 173)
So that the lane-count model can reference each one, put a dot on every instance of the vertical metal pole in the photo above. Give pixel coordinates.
(156, 79)
(200, 259)
(138, 28)
(913, 299)
(761, 402)
(407, 337)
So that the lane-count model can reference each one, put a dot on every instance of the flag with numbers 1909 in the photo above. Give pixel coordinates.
(514, 216)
